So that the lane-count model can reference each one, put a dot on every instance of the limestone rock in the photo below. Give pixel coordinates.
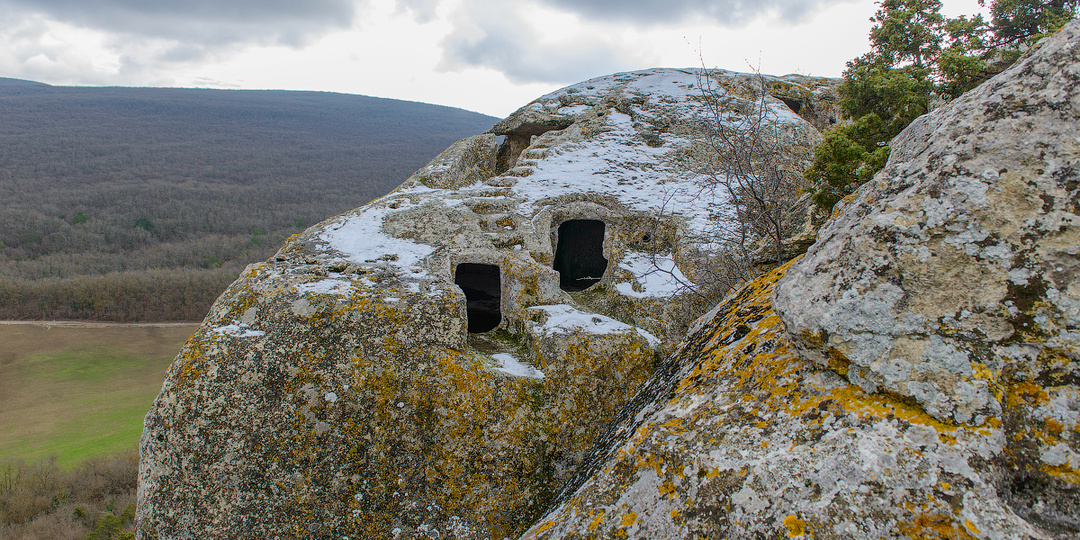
(914, 375)
(953, 278)
(437, 362)
(737, 436)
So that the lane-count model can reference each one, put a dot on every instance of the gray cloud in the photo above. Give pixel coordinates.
(489, 34)
(650, 12)
(422, 10)
(199, 23)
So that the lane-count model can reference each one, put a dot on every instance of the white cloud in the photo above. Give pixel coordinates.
(530, 43)
(204, 22)
(485, 55)
(725, 12)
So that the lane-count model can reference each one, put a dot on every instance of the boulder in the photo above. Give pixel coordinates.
(738, 436)
(952, 280)
(914, 375)
(436, 363)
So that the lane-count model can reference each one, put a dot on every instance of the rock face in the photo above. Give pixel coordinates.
(953, 280)
(915, 374)
(739, 437)
(436, 363)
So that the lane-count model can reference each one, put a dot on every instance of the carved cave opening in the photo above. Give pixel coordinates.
(793, 104)
(482, 286)
(579, 254)
(519, 139)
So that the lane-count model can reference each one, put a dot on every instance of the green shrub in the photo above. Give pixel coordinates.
(109, 527)
(145, 224)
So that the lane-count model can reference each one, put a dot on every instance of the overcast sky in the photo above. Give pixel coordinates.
(491, 56)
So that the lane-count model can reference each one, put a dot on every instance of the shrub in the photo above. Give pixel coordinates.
(39, 500)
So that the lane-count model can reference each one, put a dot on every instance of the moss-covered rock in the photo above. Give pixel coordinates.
(336, 390)
(914, 375)
(737, 436)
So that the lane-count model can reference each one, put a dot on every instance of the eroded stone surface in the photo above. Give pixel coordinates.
(964, 248)
(334, 391)
(951, 279)
(737, 436)
(913, 376)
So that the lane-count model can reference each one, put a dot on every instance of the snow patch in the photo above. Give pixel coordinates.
(509, 365)
(658, 275)
(359, 237)
(564, 319)
(237, 330)
(325, 286)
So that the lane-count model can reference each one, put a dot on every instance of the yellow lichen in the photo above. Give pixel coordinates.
(795, 526)
(934, 526)
(596, 521)
(1063, 472)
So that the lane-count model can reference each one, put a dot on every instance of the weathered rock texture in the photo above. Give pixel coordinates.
(914, 375)
(953, 280)
(739, 437)
(334, 391)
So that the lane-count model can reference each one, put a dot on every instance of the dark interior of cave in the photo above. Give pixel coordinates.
(579, 255)
(482, 287)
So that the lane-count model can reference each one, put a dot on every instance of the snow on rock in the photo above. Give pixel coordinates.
(359, 238)
(238, 330)
(510, 365)
(567, 319)
(655, 276)
(363, 408)
(326, 286)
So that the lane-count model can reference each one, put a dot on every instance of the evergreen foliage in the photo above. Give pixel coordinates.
(918, 58)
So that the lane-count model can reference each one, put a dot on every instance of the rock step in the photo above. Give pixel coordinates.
(498, 223)
(491, 205)
(507, 240)
(501, 181)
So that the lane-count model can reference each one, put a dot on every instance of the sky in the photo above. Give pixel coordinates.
(489, 56)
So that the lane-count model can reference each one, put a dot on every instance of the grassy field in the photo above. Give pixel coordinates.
(80, 390)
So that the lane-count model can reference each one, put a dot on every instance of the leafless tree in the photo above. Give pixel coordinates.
(740, 158)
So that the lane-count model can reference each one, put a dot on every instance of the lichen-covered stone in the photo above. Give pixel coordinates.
(737, 436)
(952, 280)
(915, 375)
(334, 391)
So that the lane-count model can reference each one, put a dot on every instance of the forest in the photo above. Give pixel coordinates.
(143, 204)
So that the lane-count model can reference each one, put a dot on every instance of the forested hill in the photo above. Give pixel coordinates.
(144, 203)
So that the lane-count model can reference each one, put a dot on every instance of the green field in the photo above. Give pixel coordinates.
(75, 391)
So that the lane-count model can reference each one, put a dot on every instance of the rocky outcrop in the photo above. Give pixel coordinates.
(953, 280)
(436, 363)
(914, 375)
(740, 437)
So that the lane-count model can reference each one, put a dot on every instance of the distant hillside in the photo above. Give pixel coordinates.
(144, 203)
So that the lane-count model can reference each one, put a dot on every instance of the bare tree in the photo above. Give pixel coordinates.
(741, 159)
(739, 156)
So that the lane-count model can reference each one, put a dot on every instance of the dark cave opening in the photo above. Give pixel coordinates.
(483, 294)
(793, 104)
(579, 254)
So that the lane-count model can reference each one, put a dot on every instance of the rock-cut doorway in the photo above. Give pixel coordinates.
(482, 286)
(579, 254)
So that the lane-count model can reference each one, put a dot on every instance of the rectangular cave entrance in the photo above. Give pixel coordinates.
(579, 254)
(483, 294)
